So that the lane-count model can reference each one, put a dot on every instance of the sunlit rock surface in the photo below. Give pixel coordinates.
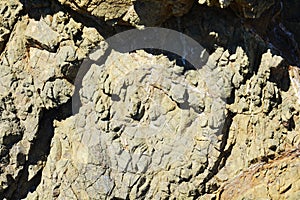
(148, 125)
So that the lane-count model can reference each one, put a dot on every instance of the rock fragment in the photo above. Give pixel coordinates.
(42, 35)
(132, 12)
(9, 12)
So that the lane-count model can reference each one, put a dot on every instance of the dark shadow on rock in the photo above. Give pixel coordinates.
(39, 151)
(214, 27)
(291, 17)
(224, 153)
(180, 61)
(280, 76)
(211, 27)
(156, 15)
(38, 9)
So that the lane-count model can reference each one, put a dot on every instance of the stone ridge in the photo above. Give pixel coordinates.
(149, 126)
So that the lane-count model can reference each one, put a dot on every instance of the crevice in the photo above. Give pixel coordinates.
(224, 154)
(3, 44)
(38, 153)
(179, 60)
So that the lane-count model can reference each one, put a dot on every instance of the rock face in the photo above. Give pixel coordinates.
(274, 180)
(132, 12)
(148, 125)
(163, 132)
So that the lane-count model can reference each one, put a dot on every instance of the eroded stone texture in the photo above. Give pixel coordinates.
(37, 66)
(142, 12)
(133, 157)
(276, 180)
(149, 128)
(137, 134)
(265, 124)
(9, 11)
(111, 9)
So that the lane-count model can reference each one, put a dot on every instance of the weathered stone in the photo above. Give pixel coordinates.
(137, 144)
(9, 13)
(132, 12)
(147, 128)
(42, 35)
(30, 77)
(244, 8)
(277, 180)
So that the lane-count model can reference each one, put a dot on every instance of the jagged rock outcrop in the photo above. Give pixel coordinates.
(132, 12)
(244, 8)
(148, 125)
(137, 135)
(37, 66)
(275, 180)
(9, 15)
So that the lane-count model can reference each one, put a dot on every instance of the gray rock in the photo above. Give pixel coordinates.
(147, 128)
(42, 35)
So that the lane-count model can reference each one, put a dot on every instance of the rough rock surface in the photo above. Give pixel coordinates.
(149, 125)
(132, 12)
(164, 131)
(278, 179)
(37, 65)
